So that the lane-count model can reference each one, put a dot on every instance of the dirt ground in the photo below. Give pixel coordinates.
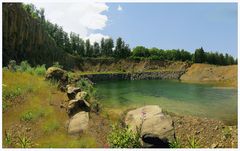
(208, 133)
(205, 73)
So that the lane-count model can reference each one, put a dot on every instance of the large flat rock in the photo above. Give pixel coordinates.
(78, 123)
(155, 127)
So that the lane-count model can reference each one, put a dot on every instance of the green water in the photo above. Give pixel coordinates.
(173, 96)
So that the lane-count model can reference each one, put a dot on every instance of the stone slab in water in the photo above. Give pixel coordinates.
(156, 128)
(78, 123)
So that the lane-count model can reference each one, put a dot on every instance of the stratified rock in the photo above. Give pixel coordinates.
(78, 123)
(72, 91)
(156, 129)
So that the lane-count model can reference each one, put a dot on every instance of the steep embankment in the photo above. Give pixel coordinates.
(205, 73)
(127, 65)
(24, 38)
(107, 69)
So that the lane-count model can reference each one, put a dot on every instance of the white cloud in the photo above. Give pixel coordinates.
(82, 18)
(96, 37)
(119, 8)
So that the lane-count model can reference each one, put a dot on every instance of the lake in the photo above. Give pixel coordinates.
(173, 96)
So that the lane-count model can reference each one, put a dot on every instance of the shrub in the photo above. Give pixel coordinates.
(56, 64)
(12, 65)
(32, 115)
(24, 66)
(123, 138)
(87, 86)
(40, 70)
(27, 116)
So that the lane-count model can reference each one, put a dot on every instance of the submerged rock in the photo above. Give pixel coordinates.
(156, 129)
(78, 123)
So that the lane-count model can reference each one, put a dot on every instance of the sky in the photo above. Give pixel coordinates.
(188, 26)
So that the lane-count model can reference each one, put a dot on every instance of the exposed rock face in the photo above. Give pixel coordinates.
(131, 66)
(78, 123)
(156, 128)
(135, 76)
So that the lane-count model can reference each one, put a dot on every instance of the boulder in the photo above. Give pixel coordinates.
(156, 128)
(72, 91)
(75, 106)
(78, 123)
(55, 73)
(81, 96)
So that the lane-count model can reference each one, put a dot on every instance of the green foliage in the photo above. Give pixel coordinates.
(12, 65)
(8, 138)
(193, 142)
(87, 86)
(175, 144)
(56, 64)
(27, 116)
(25, 67)
(11, 94)
(199, 56)
(122, 50)
(140, 51)
(32, 115)
(24, 142)
(226, 132)
(123, 137)
(40, 70)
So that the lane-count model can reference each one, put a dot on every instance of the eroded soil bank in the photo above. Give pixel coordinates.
(225, 76)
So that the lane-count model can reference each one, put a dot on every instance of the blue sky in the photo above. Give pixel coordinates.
(170, 26)
(188, 26)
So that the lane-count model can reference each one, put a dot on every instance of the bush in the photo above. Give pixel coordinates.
(87, 86)
(56, 64)
(24, 66)
(40, 70)
(32, 115)
(123, 138)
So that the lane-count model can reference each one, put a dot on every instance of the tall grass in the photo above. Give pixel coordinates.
(26, 67)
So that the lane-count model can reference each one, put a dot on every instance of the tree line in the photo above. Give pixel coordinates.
(73, 44)
(199, 56)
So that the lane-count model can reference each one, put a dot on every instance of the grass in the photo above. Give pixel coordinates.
(17, 84)
(32, 115)
(8, 138)
(24, 142)
(176, 143)
(65, 141)
(193, 142)
(227, 132)
(51, 126)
